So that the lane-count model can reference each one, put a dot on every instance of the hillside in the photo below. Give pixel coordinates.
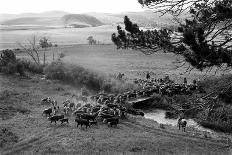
(66, 20)
(81, 19)
(5, 17)
(41, 21)
(60, 18)
(31, 133)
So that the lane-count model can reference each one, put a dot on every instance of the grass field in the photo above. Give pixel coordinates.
(10, 36)
(106, 59)
(134, 64)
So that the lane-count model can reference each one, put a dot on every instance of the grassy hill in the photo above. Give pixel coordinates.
(42, 21)
(69, 19)
(81, 19)
(145, 18)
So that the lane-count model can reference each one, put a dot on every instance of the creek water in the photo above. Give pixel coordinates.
(158, 115)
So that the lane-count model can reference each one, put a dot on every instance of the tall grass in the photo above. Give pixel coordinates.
(82, 77)
(32, 67)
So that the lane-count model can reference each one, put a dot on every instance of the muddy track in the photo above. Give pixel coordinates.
(168, 133)
(26, 143)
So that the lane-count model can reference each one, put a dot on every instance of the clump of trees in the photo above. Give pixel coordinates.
(34, 46)
(91, 40)
(205, 39)
(9, 64)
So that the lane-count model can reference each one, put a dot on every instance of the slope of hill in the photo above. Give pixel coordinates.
(42, 21)
(81, 19)
(145, 18)
(5, 17)
(106, 18)
(75, 20)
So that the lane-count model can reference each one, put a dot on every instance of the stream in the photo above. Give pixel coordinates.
(158, 115)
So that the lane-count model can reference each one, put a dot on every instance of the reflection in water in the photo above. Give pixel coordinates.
(158, 115)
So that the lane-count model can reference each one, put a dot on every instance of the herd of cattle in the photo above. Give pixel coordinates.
(165, 87)
(85, 114)
(109, 108)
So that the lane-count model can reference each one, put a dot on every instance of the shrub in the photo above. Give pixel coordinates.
(83, 77)
(32, 67)
(218, 126)
(6, 57)
(9, 64)
(61, 55)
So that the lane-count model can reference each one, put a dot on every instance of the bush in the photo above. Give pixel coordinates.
(9, 64)
(61, 55)
(32, 67)
(218, 126)
(83, 77)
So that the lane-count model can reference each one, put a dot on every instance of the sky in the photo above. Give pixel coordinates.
(72, 6)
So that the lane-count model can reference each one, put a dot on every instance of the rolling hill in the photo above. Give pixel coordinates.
(60, 18)
(74, 20)
(81, 19)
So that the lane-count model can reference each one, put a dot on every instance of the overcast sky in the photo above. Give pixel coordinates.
(72, 6)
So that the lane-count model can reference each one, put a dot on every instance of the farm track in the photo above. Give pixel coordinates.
(170, 133)
(42, 136)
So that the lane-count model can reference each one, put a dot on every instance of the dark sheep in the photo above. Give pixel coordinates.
(56, 118)
(82, 122)
(47, 111)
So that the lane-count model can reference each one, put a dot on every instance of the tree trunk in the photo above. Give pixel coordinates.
(53, 56)
(44, 57)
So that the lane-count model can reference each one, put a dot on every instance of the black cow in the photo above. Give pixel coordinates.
(82, 122)
(113, 119)
(89, 116)
(115, 123)
(56, 118)
(47, 111)
(64, 120)
(93, 122)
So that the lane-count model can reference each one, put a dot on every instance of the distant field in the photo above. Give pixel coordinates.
(10, 36)
(103, 58)
(107, 59)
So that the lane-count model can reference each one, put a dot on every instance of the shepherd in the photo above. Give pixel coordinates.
(182, 123)
(148, 76)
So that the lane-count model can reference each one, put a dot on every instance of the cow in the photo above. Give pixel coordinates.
(78, 113)
(64, 120)
(93, 122)
(56, 118)
(115, 123)
(89, 116)
(47, 111)
(82, 122)
(113, 119)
